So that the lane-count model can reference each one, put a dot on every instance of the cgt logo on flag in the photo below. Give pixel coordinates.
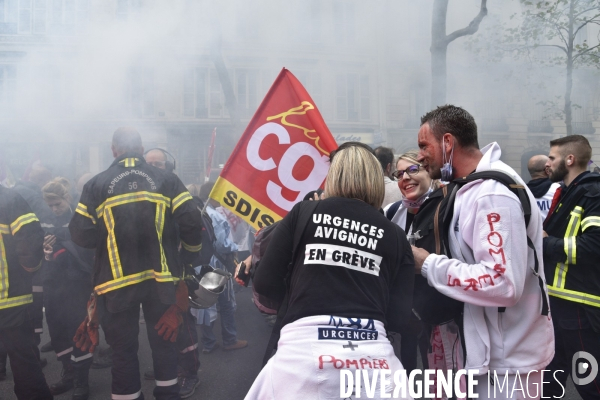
(282, 155)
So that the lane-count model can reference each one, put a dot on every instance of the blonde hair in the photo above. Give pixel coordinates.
(57, 189)
(194, 189)
(356, 173)
(412, 156)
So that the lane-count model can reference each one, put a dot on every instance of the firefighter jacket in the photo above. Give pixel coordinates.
(572, 247)
(21, 252)
(128, 213)
(68, 263)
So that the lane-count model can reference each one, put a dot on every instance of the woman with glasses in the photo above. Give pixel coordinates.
(415, 185)
(350, 283)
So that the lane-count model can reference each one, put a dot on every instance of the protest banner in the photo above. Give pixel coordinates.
(282, 155)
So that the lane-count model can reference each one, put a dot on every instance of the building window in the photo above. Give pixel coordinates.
(3, 11)
(312, 83)
(25, 16)
(343, 22)
(216, 96)
(142, 92)
(202, 94)
(63, 12)
(305, 21)
(32, 16)
(128, 8)
(8, 75)
(352, 97)
(246, 85)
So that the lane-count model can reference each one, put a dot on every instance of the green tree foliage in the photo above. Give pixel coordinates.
(557, 25)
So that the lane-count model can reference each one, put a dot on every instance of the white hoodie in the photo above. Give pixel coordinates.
(488, 238)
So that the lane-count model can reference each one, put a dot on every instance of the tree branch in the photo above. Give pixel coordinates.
(552, 45)
(584, 52)
(473, 25)
(584, 11)
(591, 20)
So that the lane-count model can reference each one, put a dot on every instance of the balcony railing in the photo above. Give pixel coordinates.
(583, 128)
(540, 126)
(494, 124)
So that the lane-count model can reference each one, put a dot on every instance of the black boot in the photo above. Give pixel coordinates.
(66, 382)
(82, 389)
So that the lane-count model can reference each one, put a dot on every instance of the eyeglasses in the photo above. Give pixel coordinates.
(412, 170)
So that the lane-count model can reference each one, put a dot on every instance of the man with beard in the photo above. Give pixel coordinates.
(490, 266)
(571, 250)
(541, 186)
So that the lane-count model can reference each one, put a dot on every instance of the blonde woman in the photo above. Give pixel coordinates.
(415, 185)
(67, 287)
(350, 277)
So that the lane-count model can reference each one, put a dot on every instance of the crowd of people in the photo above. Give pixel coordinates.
(445, 246)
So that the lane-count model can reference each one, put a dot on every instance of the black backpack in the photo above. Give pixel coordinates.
(431, 225)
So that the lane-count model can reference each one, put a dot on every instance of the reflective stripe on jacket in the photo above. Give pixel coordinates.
(128, 213)
(572, 249)
(21, 240)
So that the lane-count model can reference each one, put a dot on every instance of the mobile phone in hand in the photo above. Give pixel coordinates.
(242, 275)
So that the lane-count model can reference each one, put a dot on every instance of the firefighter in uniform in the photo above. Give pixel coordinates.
(128, 213)
(571, 251)
(21, 252)
(187, 340)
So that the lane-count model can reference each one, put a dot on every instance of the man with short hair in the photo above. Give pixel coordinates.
(187, 340)
(157, 158)
(128, 213)
(571, 251)
(490, 264)
(540, 185)
(385, 155)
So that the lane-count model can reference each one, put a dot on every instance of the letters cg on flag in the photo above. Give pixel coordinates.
(282, 155)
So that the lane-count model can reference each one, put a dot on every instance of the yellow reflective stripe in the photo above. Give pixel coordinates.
(16, 301)
(4, 229)
(111, 244)
(571, 250)
(22, 220)
(589, 222)
(131, 198)
(82, 209)
(570, 244)
(3, 271)
(560, 275)
(160, 224)
(132, 280)
(193, 249)
(129, 161)
(179, 200)
(572, 295)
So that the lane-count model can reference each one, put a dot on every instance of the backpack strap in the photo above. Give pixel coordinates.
(300, 227)
(436, 223)
(389, 214)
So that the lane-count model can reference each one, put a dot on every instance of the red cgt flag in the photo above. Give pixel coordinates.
(282, 155)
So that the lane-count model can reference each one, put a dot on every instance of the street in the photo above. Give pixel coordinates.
(223, 375)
